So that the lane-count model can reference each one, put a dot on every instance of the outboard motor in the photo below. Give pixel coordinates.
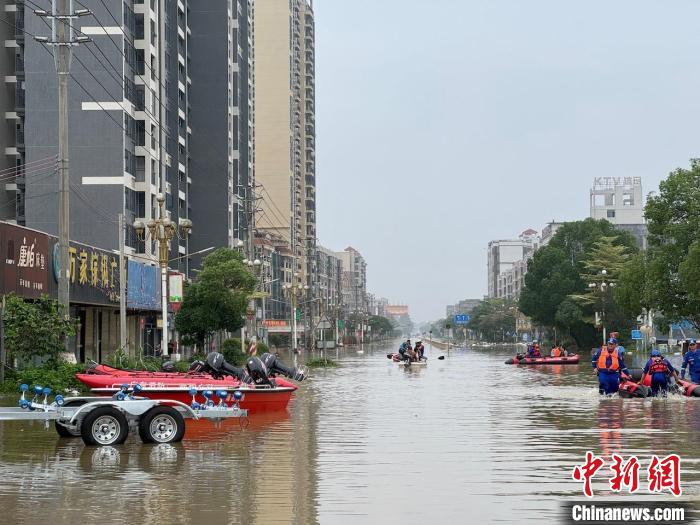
(275, 366)
(168, 366)
(258, 371)
(219, 368)
(197, 367)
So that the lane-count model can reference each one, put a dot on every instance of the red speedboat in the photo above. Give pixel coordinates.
(562, 360)
(269, 394)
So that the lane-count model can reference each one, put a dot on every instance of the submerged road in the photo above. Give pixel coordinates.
(466, 439)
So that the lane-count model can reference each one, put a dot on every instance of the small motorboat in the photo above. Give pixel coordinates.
(262, 391)
(396, 358)
(630, 389)
(545, 360)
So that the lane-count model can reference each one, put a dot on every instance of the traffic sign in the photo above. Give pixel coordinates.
(637, 335)
(462, 318)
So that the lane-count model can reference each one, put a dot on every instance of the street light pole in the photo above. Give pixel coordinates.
(604, 284)
(62, 40)
(162, 230)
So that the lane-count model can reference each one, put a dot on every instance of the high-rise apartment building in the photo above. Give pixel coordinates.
(128, 125)
(354, 280)
(285, 128)
(221, 106)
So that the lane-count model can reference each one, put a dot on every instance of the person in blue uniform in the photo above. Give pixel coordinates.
(691, 361)
(660, 370)
(608, 362)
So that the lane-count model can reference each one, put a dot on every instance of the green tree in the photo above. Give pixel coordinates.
(632, 292)
(558, 272)
(673, 220)
(494, 319)
(383, 327)
(218, 299)
(35, 328)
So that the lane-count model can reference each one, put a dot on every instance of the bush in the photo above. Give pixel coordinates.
(59, 376)
(321, 362)
(278, 340)
(120, 359)
(231, 348)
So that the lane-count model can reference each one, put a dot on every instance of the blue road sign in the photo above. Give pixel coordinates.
(637, 334)
(462, 318)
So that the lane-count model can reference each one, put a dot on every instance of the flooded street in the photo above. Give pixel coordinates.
(465, 439)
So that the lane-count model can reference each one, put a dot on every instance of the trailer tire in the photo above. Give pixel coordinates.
(162, 424)
(62, 430)
(104, 426)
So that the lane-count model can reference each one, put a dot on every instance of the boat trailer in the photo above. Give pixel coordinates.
(101, 421)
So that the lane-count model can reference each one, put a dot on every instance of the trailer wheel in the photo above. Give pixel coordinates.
(162, 424)
(64, 431)
(104, 426)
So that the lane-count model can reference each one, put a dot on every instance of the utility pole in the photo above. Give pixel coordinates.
(122, 285)
(62, 40)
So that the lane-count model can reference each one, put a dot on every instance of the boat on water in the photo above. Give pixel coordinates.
(545, 360)
(396, 358)
(630, 389)
(262, 390)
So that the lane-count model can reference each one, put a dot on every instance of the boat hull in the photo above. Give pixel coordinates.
(162, 385)
(563, 360)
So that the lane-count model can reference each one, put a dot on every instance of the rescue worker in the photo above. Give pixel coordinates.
(534, 349)
(659, 368)
(691, 360)
(607, 363)
(555, 352)
(402, 349)
(420, 350)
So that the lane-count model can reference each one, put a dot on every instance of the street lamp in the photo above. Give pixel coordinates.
(605, 284)
(295, 289)
(162, 230)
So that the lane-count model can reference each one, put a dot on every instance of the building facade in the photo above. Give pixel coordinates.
(222, 115)
(285, 128)
(620, 201)
(354, 281)
(503, 256)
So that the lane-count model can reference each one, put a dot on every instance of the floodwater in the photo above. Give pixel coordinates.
(466, 439)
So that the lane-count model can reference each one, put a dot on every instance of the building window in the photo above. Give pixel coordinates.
(611, 214)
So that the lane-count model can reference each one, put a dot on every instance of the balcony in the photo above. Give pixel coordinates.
(19, 99)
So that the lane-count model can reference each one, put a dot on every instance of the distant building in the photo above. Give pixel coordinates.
(620, 201)
(504, 254)
(354, 280)
(465, 306)
(548, 232)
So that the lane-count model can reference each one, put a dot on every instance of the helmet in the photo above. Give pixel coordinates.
(692, 342)
(655, 353)
(612, 341)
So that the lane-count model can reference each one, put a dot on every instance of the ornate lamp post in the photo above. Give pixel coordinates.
(295, 289)
(162, 230)
(605, 285)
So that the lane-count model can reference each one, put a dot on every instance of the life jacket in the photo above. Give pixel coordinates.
(658, 367)
(614, 361)
(556, 352)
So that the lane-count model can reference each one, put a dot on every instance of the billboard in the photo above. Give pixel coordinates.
(143, 287)
(94, 274)
(25, 261)
(397, 310)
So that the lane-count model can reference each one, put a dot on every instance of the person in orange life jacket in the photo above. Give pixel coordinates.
(608, 362)
(659, 369)
(555, 352)
(534, 349)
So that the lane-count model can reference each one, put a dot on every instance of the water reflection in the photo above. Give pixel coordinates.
(469, 435)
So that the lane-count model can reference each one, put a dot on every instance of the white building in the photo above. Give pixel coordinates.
(504, 255)
(620, 201)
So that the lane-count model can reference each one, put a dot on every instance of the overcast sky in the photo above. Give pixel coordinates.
(444, 124)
